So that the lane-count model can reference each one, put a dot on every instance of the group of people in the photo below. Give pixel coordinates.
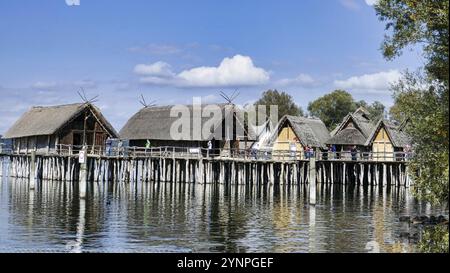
(117, 147)
(331, 153)
(309, 152)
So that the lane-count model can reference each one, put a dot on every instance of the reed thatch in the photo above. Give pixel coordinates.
(365, 130)
(155, 123)
(399, 138)
(363, 126)
(310, 131)
(348, 136)
(41, 121)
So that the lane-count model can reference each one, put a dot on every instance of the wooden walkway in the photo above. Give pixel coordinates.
(184, 165)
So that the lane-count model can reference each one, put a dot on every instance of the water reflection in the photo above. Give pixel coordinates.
(152, 217)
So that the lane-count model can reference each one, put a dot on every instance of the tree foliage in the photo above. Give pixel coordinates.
(333, 107)
(435, 239)
(423, 22)
(285, 102)
(423, 97)
(376, 109)
(418, 100)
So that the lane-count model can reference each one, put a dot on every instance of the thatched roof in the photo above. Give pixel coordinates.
(310, 131)
(396, 134)
(360, 118)
(365, 130)
(39, 121)
(334, 131)
(362, 122)
(362, 112)
(156, 122)
(348, 136)
(357, 135)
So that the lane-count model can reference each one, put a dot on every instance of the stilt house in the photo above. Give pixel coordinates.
(156, 125)
(297, 133)
(48, 129)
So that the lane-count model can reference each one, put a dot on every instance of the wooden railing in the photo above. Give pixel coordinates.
(5, 150)
(248, 154)
(238, 154)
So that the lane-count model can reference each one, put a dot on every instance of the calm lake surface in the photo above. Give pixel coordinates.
(151, 217)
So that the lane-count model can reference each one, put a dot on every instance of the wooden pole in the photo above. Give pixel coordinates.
(312, 181)
(83, 173)
(33, 170)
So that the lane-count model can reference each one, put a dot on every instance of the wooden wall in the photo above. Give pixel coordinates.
(40, 144)
(382, 144)
(286, 136)
(71, 134)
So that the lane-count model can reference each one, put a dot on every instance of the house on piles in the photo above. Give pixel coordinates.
(48, 129)
(156, 124)
(295, 134)
(354, 130)
(5, 145)
(381, 138)
(388, 141)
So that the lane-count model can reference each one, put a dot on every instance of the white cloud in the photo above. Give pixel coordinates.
(209, 98)
(380, 81)
(158, 69)
(73, 2)
(51, 85)
(301, 80)
(236, 71)
(154, 80)
(157, 49)
(350, 4)
(86, 84)
(371, 2)
(355, 4)
(44, 85)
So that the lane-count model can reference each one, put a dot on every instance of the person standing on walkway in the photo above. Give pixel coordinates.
(210, 146)
(354, 153)
(325, 153)
(293, 149)
(333, 151)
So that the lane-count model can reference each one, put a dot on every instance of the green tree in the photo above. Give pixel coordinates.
(435, 239)
(376, 109)
(423, 97)
(396, 114)
(423, 22)
(285, 102)
(333, 107)
(429, 132)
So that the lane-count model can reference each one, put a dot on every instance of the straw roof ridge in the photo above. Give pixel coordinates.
(155, 122)
(398, 137)
(363, 112)
(362, 122)
(363, 127)
(310, 131)
(348, 136)
(48, 120)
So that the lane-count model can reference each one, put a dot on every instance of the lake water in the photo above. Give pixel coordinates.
(151, 217)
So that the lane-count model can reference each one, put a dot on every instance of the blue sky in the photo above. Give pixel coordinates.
(173, 50)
